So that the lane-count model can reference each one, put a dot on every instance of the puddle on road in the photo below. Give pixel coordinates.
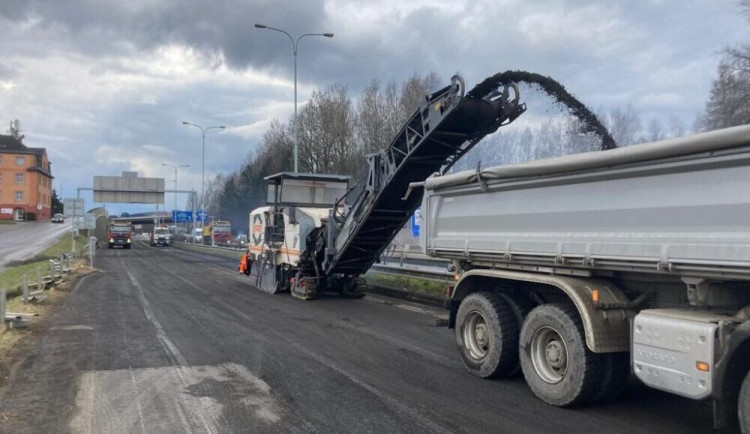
(158, 400)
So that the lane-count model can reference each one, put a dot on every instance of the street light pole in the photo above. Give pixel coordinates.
(203, 161)
(295, 44)
(175, 168)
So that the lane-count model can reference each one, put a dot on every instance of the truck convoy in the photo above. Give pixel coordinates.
(160, 236)
(120, 234)
(217, 232)
(574, 271)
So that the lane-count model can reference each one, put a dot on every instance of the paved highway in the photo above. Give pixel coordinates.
(169, 341)
(24, 240)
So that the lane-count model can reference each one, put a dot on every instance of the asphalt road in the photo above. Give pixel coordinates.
(24, 240)
(169, 341)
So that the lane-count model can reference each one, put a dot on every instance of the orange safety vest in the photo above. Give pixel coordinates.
(243, 264)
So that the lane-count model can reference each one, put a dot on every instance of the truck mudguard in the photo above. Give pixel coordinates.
(606, 330)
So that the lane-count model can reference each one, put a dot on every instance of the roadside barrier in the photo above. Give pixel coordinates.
(58, 269)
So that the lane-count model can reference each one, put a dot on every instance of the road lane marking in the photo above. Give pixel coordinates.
(72, 327)
(133, 383)
(387, 399)
(172, 352)
(372, 334)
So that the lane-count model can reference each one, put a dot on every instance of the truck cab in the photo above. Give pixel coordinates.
(160, 236)
(120, 234)
(217, 232)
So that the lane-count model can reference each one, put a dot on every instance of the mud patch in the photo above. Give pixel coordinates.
(157, 400)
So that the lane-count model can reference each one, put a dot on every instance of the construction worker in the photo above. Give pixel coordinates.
(245, 263)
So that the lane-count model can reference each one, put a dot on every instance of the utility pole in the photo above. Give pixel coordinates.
(295, 45)
(203, 161)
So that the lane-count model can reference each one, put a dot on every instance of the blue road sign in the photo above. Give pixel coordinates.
(416, 219)
(182, 216)
(201, 216)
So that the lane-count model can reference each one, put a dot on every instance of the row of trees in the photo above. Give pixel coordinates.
(335, 132)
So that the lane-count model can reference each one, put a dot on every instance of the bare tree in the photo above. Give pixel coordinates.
(413, 92)
(624, 125)
(729, 100)
(213, 191)
(325, 132)
(676, 127)
(655, 130)
(377, 116)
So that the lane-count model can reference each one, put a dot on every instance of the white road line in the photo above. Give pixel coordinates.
(386, 398)
(169, 347)
(130, 365)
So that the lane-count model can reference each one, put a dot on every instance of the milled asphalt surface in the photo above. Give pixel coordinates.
(170, 341)
(24, 240)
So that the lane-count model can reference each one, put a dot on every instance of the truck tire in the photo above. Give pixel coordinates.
(557, 365)
(487, 335)
(615, 376)
(743, 405)
(521, 306)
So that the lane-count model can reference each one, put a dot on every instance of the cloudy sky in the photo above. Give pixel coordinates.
(104, 85)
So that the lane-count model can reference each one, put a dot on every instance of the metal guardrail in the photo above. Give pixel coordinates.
(209, 247)
(57, 269)
(421, 273)
(400, 257)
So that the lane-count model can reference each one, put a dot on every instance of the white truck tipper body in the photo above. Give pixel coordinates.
(577, 269)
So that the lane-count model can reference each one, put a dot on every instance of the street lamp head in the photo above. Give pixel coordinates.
(260, 26)
(328, 35)
(222, 127)
(185, 122)
(163, 164)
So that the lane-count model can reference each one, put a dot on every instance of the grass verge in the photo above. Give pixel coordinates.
(10, 278)
(405, 283)
(16, 343)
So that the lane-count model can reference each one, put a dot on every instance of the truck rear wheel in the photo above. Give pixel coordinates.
(615, 376)
(743, 405)
(520, 305)
(487, 335)
(557, 365)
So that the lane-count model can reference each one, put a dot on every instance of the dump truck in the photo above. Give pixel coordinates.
(217, 232)
(120, 234)
(571, 271)
(576, 269)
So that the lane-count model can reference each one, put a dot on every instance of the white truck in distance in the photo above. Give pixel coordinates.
(160, 236)
(577, 269)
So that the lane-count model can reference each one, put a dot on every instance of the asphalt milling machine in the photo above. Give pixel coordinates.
(317, 234)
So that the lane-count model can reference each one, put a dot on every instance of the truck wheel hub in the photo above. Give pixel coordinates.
(481, 334)
(476, 336)
(549, 355)
(555, 354)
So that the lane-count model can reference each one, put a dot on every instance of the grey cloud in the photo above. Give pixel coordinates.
(7, 70)
(659, 47)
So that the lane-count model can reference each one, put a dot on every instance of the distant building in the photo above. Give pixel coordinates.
(25, 179)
